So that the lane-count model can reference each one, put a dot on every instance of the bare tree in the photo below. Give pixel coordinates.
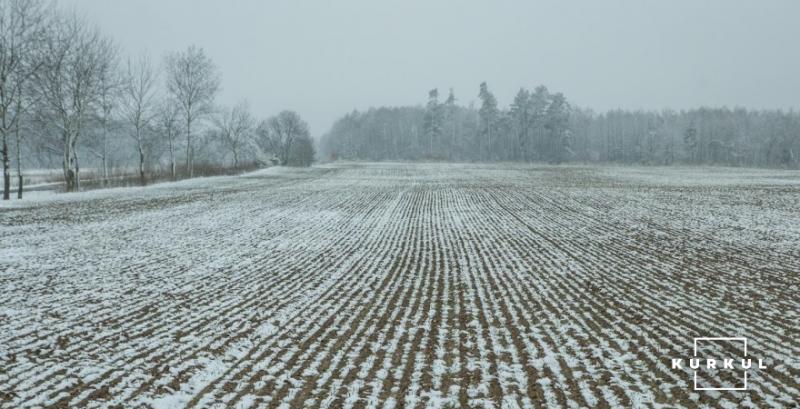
(139, 90)
(167, 124)
(69, 83)
(108, 100)
(279, 132)
(193, 81)
(18, 139)
(235, 127)
(22, 31)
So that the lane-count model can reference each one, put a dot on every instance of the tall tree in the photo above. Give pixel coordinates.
(277, 134)
(108, 101)
(690, 139)
(432, 124)
(488, 113)
(539, 100)
(139, 103)
(557, 125)
(193, 81)
(22, 32)
(521, 115)
(235, 127)
(451, 110)
(168, 127)
(76, 53)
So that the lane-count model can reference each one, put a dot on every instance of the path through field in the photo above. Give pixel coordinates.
(373, 285)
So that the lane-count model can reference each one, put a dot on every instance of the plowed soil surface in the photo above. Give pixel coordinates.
(403, 285)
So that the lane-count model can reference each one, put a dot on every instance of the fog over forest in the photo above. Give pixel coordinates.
(542, 126)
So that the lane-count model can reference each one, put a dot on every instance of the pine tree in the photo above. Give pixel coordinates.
(432, 124)
(488, 113)
(690, 138)
(521, 115)
(451, 111)
(557, 125)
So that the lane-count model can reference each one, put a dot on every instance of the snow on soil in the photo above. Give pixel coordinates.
(389, 285)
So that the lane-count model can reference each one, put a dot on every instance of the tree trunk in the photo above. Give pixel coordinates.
(285, 155)
(6, 171)
(105, 170)
(67, 163)
(19, 164)
(171, 154)
(77, 170)
(452, 139)
(489, 142)
(189, 167)
(140, 149)
(105, 156)
(141, 164)
(171, 158)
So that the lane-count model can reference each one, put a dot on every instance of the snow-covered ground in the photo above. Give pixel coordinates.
(383, 285)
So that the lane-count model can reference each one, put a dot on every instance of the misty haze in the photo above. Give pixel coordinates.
(418, 204)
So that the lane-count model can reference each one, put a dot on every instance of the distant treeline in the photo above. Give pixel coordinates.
(542, 126)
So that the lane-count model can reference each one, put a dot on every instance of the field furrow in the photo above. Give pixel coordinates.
(401, 285)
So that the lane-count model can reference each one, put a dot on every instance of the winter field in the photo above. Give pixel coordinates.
(402, 285)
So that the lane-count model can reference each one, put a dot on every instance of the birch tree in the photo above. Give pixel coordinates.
(235, 126)
(22, 33)
(18, 139)
(193, 81)
(108, 101)
(76, 53)
(140, 99)
(168, 127)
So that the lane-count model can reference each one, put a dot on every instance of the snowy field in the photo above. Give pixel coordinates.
(401, 285)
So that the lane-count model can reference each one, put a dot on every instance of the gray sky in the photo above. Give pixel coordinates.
(325, 58)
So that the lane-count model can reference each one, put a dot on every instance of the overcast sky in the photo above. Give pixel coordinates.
(325, 58)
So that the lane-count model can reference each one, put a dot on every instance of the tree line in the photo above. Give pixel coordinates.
(542, 126)
(70, 99)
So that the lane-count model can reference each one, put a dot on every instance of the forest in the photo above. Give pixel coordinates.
(542, 126)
